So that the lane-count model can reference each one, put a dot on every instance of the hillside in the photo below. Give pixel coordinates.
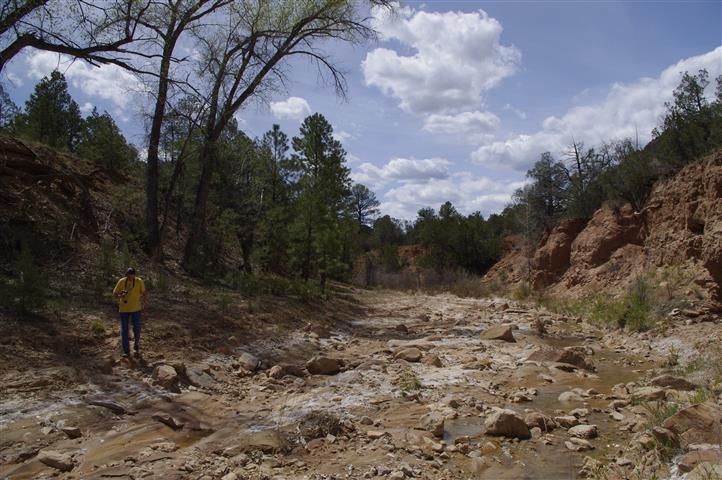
(677, 237)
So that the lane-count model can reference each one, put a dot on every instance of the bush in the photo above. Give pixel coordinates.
(30, 290)
(638, 315)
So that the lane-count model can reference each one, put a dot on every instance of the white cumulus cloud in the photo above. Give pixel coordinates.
(468, 193)
(627, 110)
(458, 56)
(474, 126)
(108, 82)
(401, 170)
(294, 108)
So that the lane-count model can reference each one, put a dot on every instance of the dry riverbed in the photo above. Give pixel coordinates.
(420, 386)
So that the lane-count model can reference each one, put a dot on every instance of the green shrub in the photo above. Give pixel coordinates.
(29, 291)
(523, 291)
(638, 315)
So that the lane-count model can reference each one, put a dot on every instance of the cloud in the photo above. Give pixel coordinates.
(401, 170)
(458, 56)
(86, 108)
(108, 82)
(519, 113)
(14, 79)
(295, 108)
(475, 126)
(627, 110)
(467, 192)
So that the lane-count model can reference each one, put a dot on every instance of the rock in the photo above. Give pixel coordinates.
(579, 412)
(539, 420)
(366, 421)
(72, 432)
(374, 434)
(115, 407)
(553, 256)
(676, 383)
(57, 460)
(401, 328)
(665, 437)
(198, 378)
(616, 415)
(169, 420)
(699, 423)
(230, 476)
(690, 460)
(411, 354)
(624, 462)
(705, 471)
(650, 394)
(506, 423)
(432, 361)
(570, 397)
(498, 332)
(321, 365)
(578, 445)
(318, 424)
(166, 376)
(566, 421)
(584, 431)
(646, 441)
(571, 357)
(397, 475)
(284, 369)
(433, 422)
(248, 361)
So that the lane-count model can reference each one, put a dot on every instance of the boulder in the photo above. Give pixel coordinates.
(169, 420)
(570, 397)
(433, 422)
(321, 365)
(584, 431)
(690, 460)
(507, 423)
(570, 357)
(248, 361)
(498, 332)
(199, 378)
(165, 375)
(566, 421)
(72, 432)
(539, 420)
(701, 423)
(432, 361)
(650, 394)
(665, 437)
(115, 407)
(670, 381)
(411, 354)
(578, 445)
(280, 371)
(705, 471)
(57, 460)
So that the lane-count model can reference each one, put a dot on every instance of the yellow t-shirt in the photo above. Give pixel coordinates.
(131, 301)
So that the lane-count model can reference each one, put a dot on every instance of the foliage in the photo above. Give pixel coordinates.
(51, 115)
(8, 109)
(29, 290)
(102, 142)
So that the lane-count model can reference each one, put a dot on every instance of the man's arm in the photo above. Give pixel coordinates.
(118, 291)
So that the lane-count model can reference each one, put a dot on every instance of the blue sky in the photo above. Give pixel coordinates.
(457, 99)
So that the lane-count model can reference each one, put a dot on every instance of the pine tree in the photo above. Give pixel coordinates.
(51, 115)
(323, 200)
(103, 143)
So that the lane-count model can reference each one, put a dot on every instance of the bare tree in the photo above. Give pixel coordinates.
(243, 56)
(99, 32)
(168, 20)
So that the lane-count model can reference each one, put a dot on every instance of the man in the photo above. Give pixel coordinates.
(130, 290)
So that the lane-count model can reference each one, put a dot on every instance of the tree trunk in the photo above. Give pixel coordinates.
(198, 220)
(154, 246)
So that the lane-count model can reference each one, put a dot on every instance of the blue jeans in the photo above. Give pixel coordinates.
(124, 317)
